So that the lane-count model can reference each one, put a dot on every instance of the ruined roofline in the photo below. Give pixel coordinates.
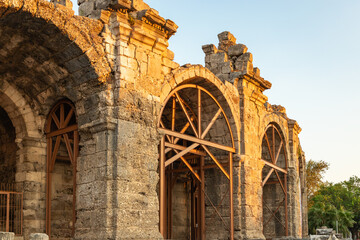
(135, 9)
(231, 61)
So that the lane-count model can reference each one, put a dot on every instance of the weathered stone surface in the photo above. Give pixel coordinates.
(7, 236)
(118, 72)
(39, 236)
(226, 39)
(237, 50)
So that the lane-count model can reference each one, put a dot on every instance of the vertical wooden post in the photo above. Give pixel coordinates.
(162, 189)
(231, 196)
(48, 187)
(7, 211)
(76, 153)
(202, 198)
(169, 203)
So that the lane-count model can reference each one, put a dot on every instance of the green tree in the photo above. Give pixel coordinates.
(337, 202)
(314, 173)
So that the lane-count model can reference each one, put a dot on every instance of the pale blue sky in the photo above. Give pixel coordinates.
(309, 50)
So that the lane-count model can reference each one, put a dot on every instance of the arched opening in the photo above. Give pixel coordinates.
(274, 183)
(10, 199)
(62, 151)
(8, 150)
(196, 179)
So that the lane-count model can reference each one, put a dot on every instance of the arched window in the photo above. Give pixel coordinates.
(62, 151)
(195, 166)
(274, 183)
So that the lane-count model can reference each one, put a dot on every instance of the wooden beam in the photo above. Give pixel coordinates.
(216, 161)
(180, 154)
(62, 131)
(179, 147)
(197, 140)
(274, 166)
(186, 114)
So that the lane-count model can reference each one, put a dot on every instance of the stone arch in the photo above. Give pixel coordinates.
(227, 92)
(19, 111)
(274, 175)
(48, 52)
(84, 32)
(188, 90)
(280, 122)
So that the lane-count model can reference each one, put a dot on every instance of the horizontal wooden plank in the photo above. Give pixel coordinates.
(274, 166)
(62, 131)
(179, 147)
(197, 140)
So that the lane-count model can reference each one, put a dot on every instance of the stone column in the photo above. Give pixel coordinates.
(96, 194)
(294, 186)
(7, 236)
(31, 179)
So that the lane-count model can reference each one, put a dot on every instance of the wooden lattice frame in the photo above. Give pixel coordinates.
(59, 126)
(274, 152)
(198, 147)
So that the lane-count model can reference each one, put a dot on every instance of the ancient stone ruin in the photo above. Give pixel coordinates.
(104, 136)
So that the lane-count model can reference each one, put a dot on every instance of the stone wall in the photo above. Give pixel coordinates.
(118, 71)
(232, 63)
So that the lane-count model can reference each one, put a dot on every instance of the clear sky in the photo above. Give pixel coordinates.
(309, 50)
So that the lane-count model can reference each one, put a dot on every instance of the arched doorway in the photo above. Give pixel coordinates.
(10, 197)
(62, 151)
(274, 183)
(196, 178)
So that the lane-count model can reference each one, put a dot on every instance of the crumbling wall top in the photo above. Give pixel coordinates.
(136, 9)
(231, 61)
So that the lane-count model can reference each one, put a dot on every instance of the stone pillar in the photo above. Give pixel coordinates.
(31, 176)
(39, 236)
(7, 236)
(295, 208)
(96, 192)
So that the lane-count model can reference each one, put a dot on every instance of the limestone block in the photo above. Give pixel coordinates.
(86, 8)
(121, 3)
(39, 236)
(246, 57)
(7, 236)
(66, 3)
(227, 67)
(226, 39)
(237, 50)
(219, 57)
(324, 231)
(139, 5)
(209, 49)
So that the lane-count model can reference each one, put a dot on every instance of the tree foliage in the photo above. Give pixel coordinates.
(337, 202)
(314, 173)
